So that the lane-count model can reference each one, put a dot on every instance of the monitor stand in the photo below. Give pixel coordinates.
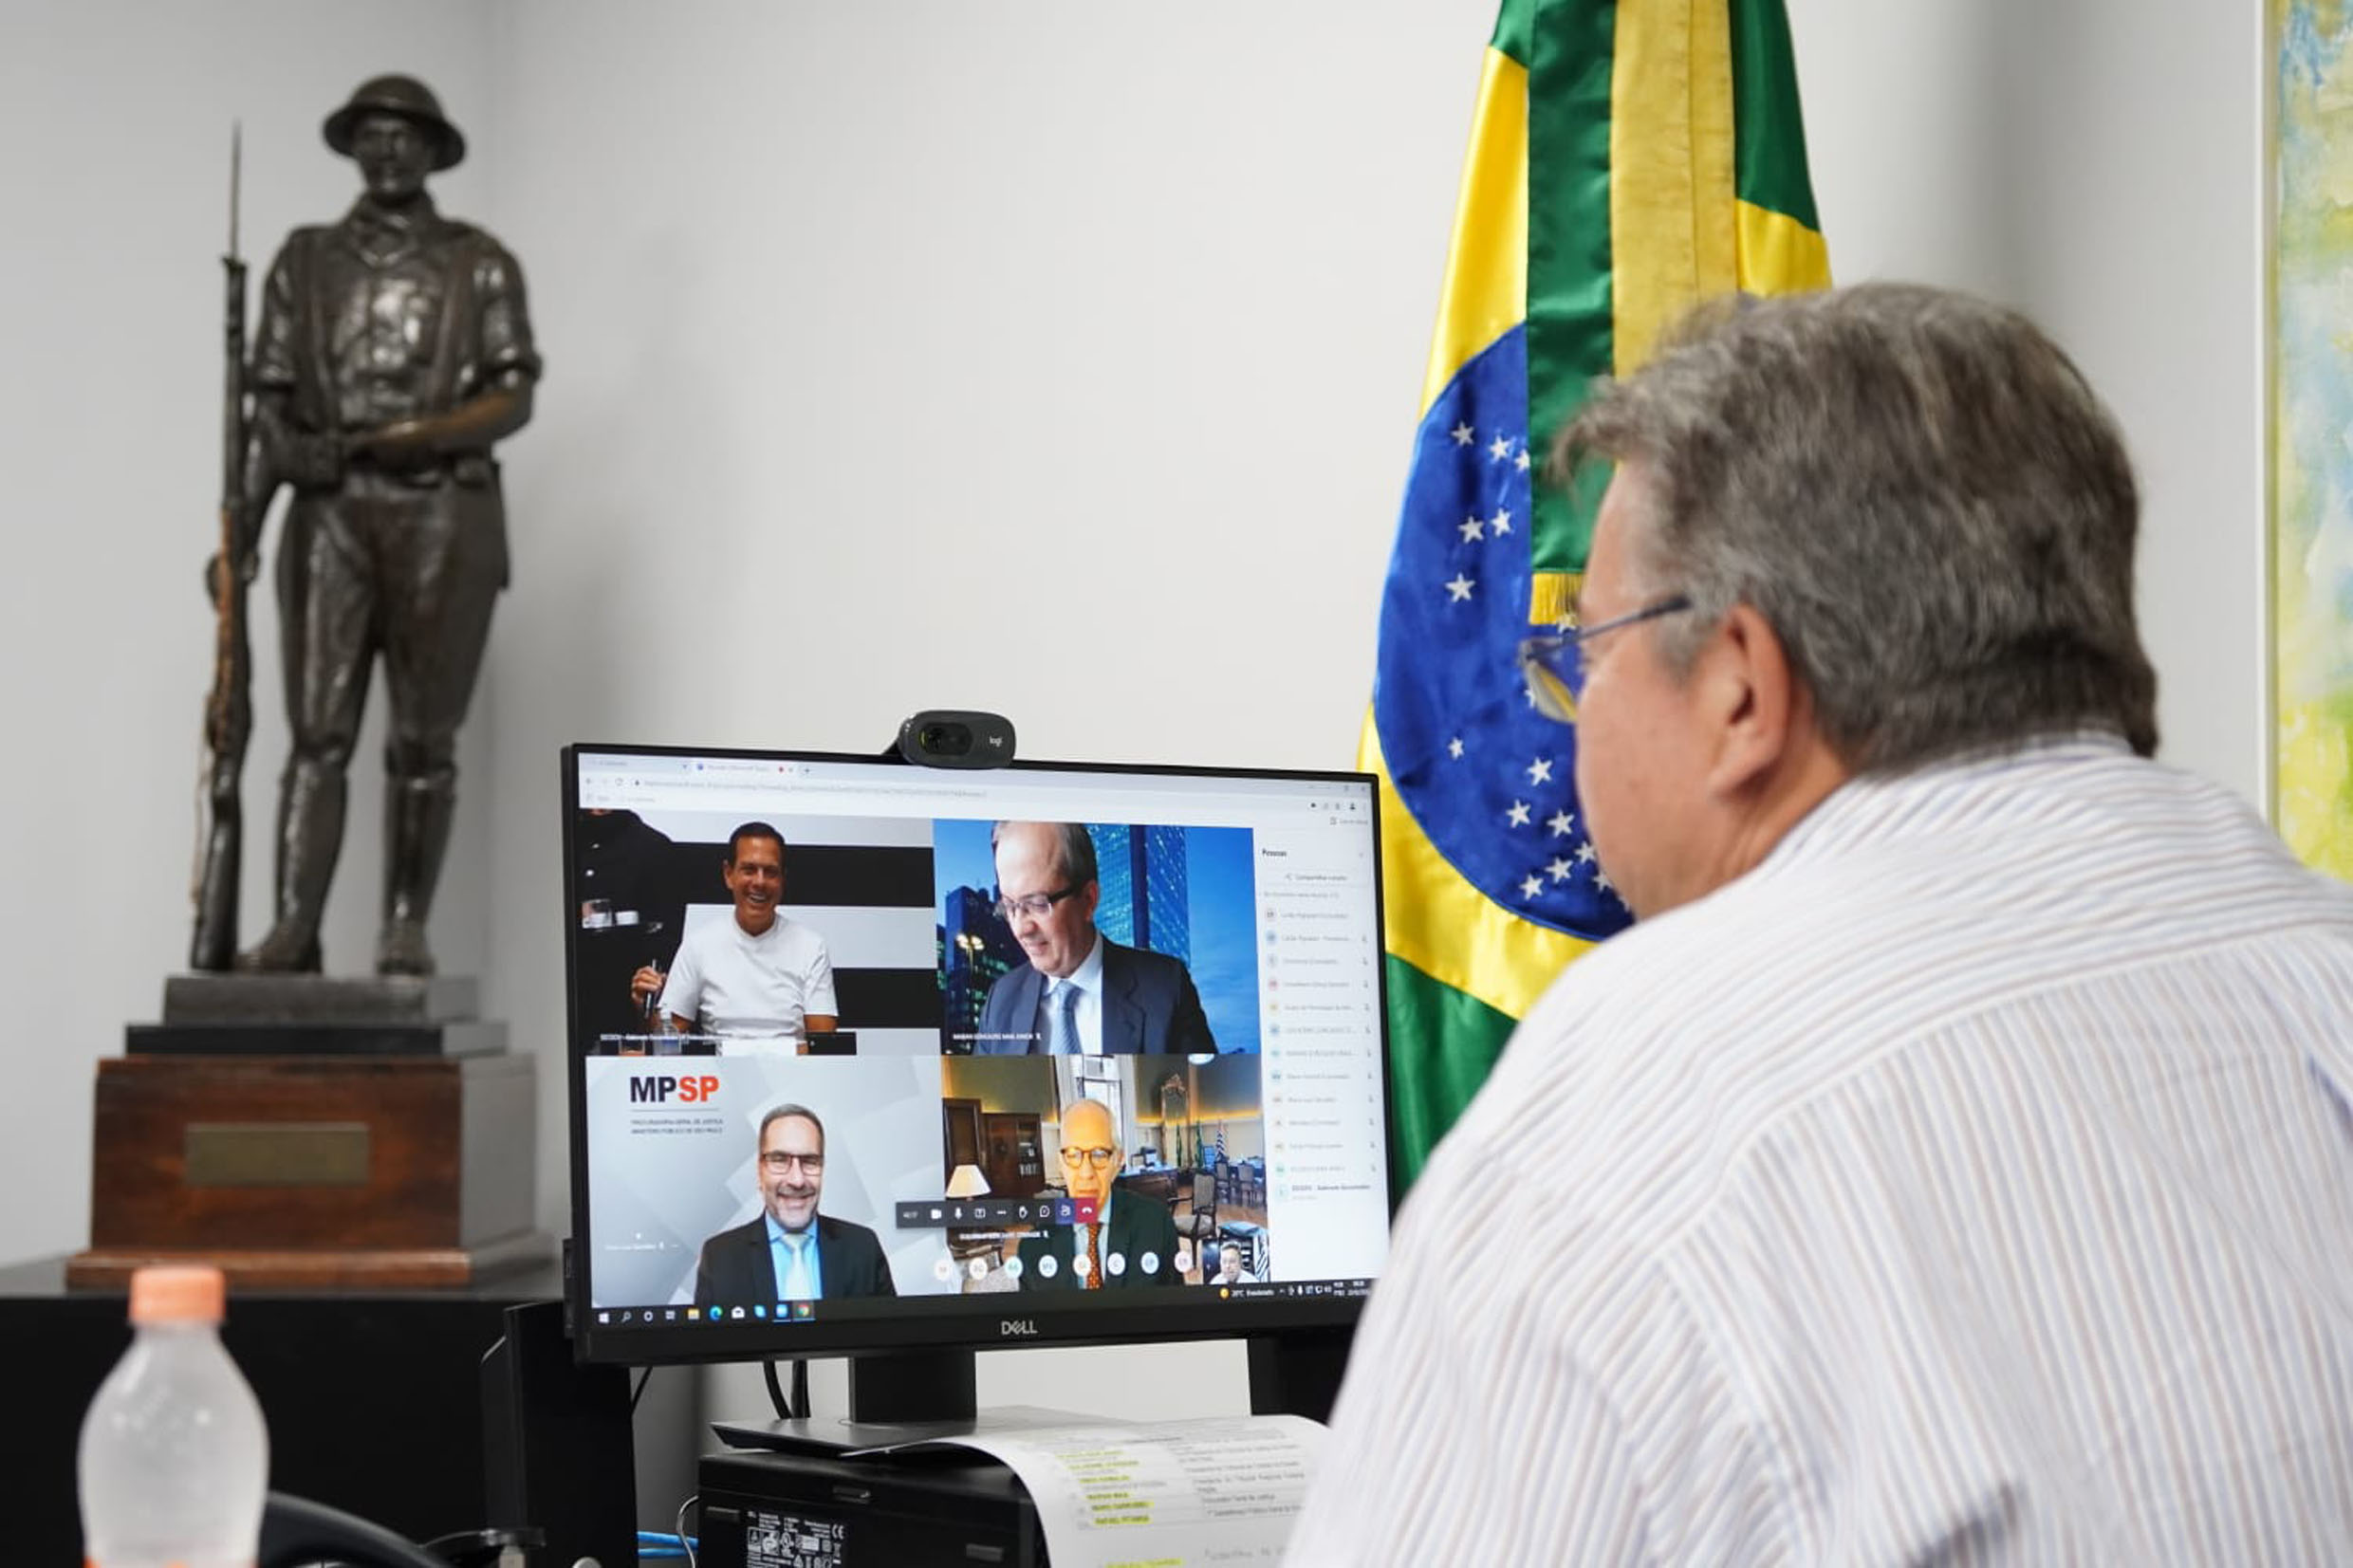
(897, 1401)
(914, 1397)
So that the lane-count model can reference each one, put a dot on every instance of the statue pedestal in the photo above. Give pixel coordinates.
(310, 1132)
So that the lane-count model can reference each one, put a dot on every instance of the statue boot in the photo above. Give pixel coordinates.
(417, 813)
(311, 835)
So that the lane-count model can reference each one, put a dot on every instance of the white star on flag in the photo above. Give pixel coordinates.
(1531, 887)
(1501, 523)
(1560, 823)
(1585, 852)
(1459, 589)
(1517, 816)
(1521, 461)
(1471, 528)
(1453, 748)
(1560, 869)
(1500, 448)
(1540, 771)
(1601, 879)
(1462, 435)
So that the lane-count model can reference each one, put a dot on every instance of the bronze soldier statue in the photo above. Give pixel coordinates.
(393, 350)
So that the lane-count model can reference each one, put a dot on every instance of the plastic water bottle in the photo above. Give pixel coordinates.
(175, 1459)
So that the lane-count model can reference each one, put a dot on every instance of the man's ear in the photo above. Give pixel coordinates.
(1753, 702)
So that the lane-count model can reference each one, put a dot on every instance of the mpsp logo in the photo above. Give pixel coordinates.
(702, 1088)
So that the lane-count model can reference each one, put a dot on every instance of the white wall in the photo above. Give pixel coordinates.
(2099, 164)
(1054, 360)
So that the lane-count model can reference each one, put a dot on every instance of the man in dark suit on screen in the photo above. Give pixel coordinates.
(1131, 1240)
(791, 1252)
(1081, 993)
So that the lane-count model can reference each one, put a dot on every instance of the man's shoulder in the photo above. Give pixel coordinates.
(1142, 1214)
(702, 936)
(1012, 980)
(2019, 859)
(834, 1229)
(752, 1232)
(1143, 961)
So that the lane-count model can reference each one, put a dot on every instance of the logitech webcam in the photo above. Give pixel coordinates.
(954, 737)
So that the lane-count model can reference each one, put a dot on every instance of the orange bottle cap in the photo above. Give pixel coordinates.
(178, 1293)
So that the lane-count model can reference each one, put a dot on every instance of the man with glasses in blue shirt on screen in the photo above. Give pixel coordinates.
(1080, 993)
(1953, 1163)
(791, 1252)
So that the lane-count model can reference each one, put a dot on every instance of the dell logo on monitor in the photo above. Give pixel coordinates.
(1020, 1328)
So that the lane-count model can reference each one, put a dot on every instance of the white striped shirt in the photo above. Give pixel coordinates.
(1972, 1182)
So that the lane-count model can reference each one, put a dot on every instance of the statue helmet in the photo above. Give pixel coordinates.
(400, 95)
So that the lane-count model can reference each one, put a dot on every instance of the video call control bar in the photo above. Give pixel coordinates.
(928, 1215)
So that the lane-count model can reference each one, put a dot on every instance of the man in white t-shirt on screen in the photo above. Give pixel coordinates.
(759, 976)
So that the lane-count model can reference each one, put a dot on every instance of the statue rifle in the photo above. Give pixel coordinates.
(229, 708)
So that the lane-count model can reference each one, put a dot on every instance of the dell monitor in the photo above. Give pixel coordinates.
(881, 1060)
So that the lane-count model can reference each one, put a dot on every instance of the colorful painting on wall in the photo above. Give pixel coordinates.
(2311, 428)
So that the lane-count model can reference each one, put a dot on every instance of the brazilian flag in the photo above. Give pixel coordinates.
(1628, 158)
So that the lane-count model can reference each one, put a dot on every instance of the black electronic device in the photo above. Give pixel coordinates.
(760, 1508)
(557, 1449)
(956, 737)
(1229, 1099)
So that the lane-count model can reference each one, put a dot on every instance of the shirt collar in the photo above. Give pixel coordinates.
(1876, 806)
(1088, 975)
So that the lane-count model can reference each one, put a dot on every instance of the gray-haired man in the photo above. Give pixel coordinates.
(1956, 1162)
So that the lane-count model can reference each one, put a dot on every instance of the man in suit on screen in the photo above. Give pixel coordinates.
(1080, 993)
(791, 1252)
(1131, 1240)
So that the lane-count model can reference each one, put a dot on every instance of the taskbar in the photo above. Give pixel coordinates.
(805, 1312)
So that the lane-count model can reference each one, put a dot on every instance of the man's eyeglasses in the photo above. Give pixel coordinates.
(780, 1162)
(1034, 905)
(1554, 663)
(1095, 1158)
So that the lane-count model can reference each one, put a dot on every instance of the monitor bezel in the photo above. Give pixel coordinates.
(955, 1323)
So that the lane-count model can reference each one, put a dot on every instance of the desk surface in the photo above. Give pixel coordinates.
(45, 1278)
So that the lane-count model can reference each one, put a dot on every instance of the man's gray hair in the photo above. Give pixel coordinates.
(779, 1112)
(1920, 494)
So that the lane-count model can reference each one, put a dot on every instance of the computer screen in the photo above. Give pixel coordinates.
(867, 1054)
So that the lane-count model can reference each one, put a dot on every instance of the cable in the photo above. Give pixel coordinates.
(776, 1391)
(685, 1545)
(637, 1393)
(795, 1405)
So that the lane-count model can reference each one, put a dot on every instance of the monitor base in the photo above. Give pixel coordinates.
(847, 1436)
(895, 1401)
